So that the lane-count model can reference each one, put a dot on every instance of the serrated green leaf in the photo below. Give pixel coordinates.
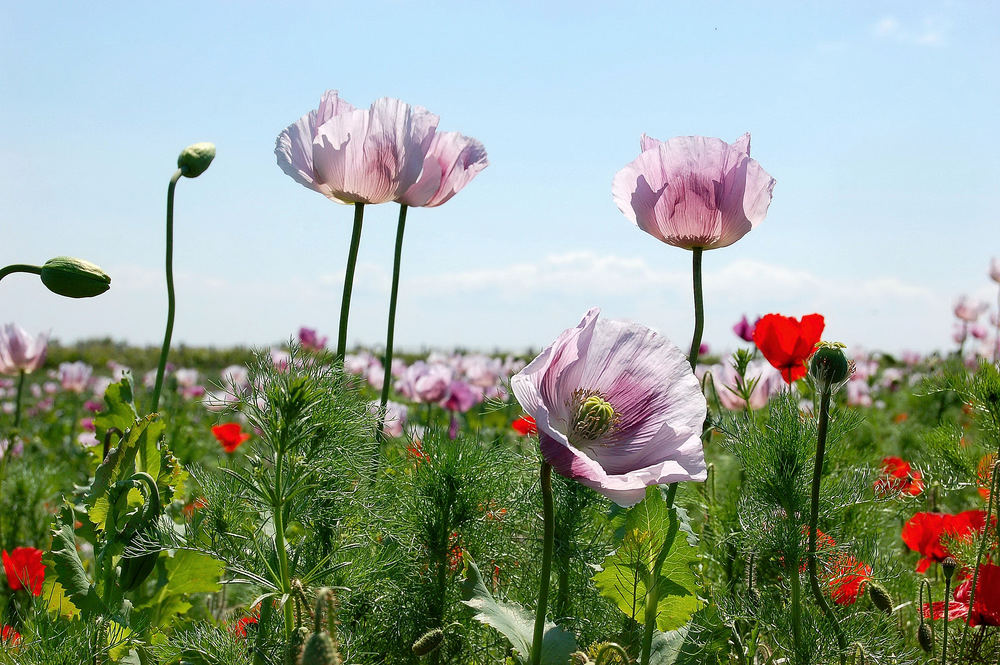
(193, 572)
(513, 621)
(56, 601)
(119, 412)
(69, 570)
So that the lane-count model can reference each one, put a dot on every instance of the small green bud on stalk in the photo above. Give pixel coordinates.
(195, 159)
(428, 642)
(880, 597)
(74, 278)
(925, 636)
(948, 566)
(829, 366)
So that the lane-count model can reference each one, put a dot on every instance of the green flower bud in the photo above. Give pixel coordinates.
(320, 650)
(948, 566)
(428, 642)
(829, 365)
(925, 635)
(74, 278)
(880, 597)
(195, 159)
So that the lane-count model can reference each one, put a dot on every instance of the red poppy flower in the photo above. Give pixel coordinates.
(230, 435)
(9, 637)
(525, 425)
(240, 627)
(924, 532)
(987, 601)
(24, 569)
(416, 450)
(787, 342)
(844, 576)
(197, 504)
(898, 477)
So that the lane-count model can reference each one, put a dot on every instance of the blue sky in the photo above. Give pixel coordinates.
(878, 120)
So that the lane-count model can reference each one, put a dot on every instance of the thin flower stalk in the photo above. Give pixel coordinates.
(352, 260)
(548, 538)
(390, 332)
(994, 489)
(171, 301)
(699, 307)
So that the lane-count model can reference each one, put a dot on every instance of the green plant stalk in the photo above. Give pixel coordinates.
(947, 612)
(442, 565)
(793, 576)
(389, 335)
(265, 618)
(653, 583)
(171, 302)
(19, 399)
(824, 423)
(548, 537)
(19, 267)
(994, 488)
(699, 307)
(279, 542)
(352, 261)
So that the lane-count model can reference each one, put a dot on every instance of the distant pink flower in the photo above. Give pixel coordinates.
(375, 375)
(426, 383)
(462, 396)
(75, 377)
(481, 371)
(744, 329)
(20, 351)
(395, 417)
(995, 270)
(310, 339)
(693, 191)
(617, 408)
(725, 378)
(969, 310)
(452, 161)
(978, 331)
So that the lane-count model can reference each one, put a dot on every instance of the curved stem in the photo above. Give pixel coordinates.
(389, 335)
(352, 260)
(699, 307)
(653, 583)
(19, 267)
(548, 536)
(165, 350)
(19, 399)
(994, 487)
(824, 422)
(608, 651)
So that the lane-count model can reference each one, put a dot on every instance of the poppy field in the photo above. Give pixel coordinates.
(617, 497)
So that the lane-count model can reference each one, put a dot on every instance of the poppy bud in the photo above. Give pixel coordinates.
(829, 366)
(74, 278)
(925, 635)
(948, 566)
(195, 159)
(880, 597)
(428, 642)
(320, 650)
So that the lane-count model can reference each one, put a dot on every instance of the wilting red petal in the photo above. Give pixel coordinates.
(24, 569)
(847, 578)
(525, 425)
(9, 637)
(787, 342)
(898, 477)
(230, 435)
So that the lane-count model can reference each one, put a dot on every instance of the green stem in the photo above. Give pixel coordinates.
(264, 619)
(19, 267)
(653, 583)
(352, 260)
(699, 307)
(824, 423)
(994, 488)
(548, 537)
(793, 576)
(279, 542)
(609, 651)
(389, 335)
(19, 399)
(947, 612)
(165, 350)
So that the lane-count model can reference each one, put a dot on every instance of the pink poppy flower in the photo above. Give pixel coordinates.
(995, 270)
(75, 377)
(969, 310)
(451, 162)
(294, 147)
(744, 329)
(426, 383)
(693, 191)
(617, 408)
(20, 351)
(769, 383)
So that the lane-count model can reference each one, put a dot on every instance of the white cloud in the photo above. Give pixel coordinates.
(929, 31)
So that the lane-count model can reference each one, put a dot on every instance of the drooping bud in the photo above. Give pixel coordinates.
(320, 650)
(925, 635)
(948, 566)
(829, 366)
(428, 642)
(880, 597)
(74, 278)
(195, 159)
(296, 643)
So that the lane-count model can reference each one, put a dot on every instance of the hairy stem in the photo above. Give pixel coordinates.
(165, 350)
(699, 307)
(653, 583)
(947, 612)
(824, 423)
(548, 517)
(277, 515)
(352, 260)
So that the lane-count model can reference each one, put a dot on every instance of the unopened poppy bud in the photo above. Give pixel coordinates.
(428, 642)
(74, 278)
(829, 365)
(195, 159)
(925, 635)
(320, 650)
(880, 597)
(948, 566)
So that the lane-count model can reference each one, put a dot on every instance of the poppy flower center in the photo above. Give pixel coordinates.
(593, 416)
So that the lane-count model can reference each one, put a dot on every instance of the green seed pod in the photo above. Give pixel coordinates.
(948, 566)
(880, 597)
(74, 278)
(195, 159)
(925, 635)
(295, 644)
(829, 365)
(320, 650)
(428, 642)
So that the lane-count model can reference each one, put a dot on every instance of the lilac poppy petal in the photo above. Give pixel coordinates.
(452, 159)
(294, 146)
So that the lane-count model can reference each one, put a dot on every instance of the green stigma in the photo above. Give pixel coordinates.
(594, 417)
